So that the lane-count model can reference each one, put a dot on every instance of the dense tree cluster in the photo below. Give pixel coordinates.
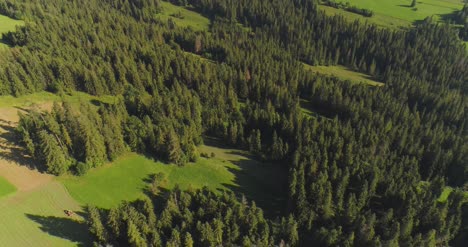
(10, 9)
(348, 7)
(366, 169)
(192, 218)
(462, 19)
(77, 138)
(73, 139)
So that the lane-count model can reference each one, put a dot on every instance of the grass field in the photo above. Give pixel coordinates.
(397, 13)
(36, 218)
(127, 178)
(344, 74)
(183, 17)
(7, 24)
(42, 97)
(5, 187)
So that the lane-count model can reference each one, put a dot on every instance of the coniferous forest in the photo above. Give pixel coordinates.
(366, 170)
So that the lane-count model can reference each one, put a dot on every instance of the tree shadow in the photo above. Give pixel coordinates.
(266, 186)
(66, 228)
(11, 150)
(263, 182)
(450, 17)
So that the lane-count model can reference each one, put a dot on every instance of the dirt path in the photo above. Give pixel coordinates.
(15, 166)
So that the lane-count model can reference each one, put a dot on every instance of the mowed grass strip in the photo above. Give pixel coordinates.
(183, 17)
(37, 218)
(5, 187)
(344, 74)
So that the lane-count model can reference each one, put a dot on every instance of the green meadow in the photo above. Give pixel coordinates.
(127, 178)
(344, 73)
(398, 13)
(46, 97)
(183, 17)
(36, 218)
(5, 187)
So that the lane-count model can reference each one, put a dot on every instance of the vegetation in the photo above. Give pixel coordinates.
(127, 178)
(344, 74)
(403, 9)
(346, 6)
(36, 218)
(367, 171)
(5, 187)
(183, 17)
(193, 218)
(8, 24)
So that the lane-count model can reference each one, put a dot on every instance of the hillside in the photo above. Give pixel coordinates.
(233, 123)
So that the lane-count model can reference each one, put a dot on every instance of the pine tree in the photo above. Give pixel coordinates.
(52, 154)
(135, 238)
(174, 152)
(95, 224)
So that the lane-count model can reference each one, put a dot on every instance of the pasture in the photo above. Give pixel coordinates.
(398, 13)
(344, 73)
(46, 97)
(36, 218)
(127, 178)
(183, 17)
(5, 187)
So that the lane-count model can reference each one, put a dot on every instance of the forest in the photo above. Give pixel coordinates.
(366, 169)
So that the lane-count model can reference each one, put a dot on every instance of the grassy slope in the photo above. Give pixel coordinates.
(344, 73)
(125, 179)
(190, 18)
(395, 13)
(5, 187)
(400, 9)
(41, 97)
(36, 218)
(377, 19)
(8, 24)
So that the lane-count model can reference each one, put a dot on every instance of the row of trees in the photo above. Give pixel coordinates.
(351, 8)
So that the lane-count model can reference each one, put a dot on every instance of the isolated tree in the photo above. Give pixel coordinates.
(413, 3)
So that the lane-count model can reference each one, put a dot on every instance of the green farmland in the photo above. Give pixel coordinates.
(398, 13)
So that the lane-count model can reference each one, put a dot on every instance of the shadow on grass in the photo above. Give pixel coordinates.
(11, 150)
(66, 228)
(262, 182)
